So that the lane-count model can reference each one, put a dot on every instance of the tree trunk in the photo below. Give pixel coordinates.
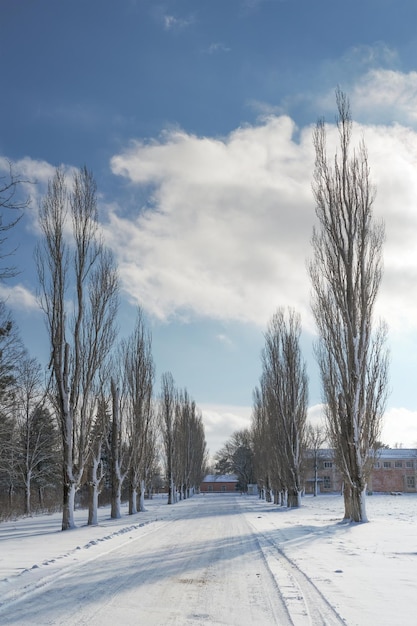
(142, 508)
(116, 478)
(346, 490)
(68, 503)
(171, 497)
(93, 503)
(133, 499)
(358, 504)
(41, 498)
(93, 493)
(116, 496)
(294, 498)
(27, 496)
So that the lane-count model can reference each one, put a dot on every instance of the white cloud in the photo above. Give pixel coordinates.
(18, 297)
(399, 425)
(227, 233)
(221, 421)
(230, 222)
(225, 340)
(387, 95)
(176, 23)
(400, 428)
(217, 47)
(35, 175)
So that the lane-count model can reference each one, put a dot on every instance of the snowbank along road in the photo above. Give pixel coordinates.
(210, 562)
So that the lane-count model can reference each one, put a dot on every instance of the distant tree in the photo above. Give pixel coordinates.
(261, 441)
(346, 272)
(99, 435)
(119, 453)
(167, 408)
(37, 445)
(316, 436)
(236, 457)
(285, 389)
(79, 295)
(138, 376)
(11, 354)
(190, 445)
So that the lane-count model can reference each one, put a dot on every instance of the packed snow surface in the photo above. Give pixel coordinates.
(215, 559)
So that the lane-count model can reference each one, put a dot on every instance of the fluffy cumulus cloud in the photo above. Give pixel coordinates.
(400, 428)
(18, 297)
(388, 95)
(220, 422)
(34, 173)
(226, 230)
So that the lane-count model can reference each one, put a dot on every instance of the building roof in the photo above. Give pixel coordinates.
(381, 453)
(397, 453)
(220, 478)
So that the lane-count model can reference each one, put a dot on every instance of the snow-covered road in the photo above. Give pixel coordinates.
(212, 560)
(206, 563)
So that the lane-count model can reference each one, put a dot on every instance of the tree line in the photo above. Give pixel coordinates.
(345, 273)
(102, 396)
(93, 420)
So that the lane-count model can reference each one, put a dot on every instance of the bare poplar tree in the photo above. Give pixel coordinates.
(98, 437)
(79, 295)
(285, 387)
(346, 272)
(190, 445)
(261, 441)
(167, 408)
(119, 456)
(139, 374)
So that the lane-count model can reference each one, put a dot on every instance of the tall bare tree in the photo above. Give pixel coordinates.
(79, 295)
(261, 441)
(119, 453)
(190, 445)
(285, 386)
(346, 272)
(99, 436)
(138, 388)
(167, 409)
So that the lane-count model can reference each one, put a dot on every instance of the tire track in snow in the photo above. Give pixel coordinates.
(305, 603)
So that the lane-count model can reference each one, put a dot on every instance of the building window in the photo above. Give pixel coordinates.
(328, 464)
(326, 482)
(376, 465)
(398, 463)
(409, 464)
(223, 487)
(387, 464)
(411, 482)
(210, 487)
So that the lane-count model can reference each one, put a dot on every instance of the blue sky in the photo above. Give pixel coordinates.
(196, 119)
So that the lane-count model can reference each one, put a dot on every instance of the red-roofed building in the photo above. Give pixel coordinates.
(223, 483)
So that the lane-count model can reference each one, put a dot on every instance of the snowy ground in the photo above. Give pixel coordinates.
(215, 559)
